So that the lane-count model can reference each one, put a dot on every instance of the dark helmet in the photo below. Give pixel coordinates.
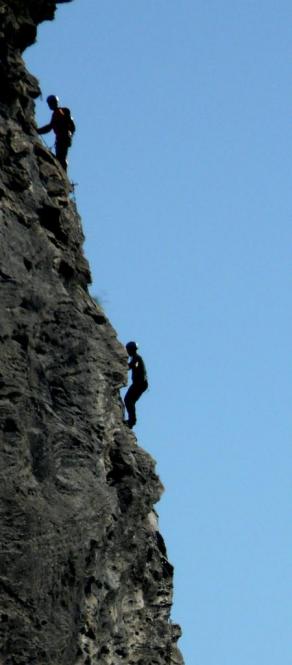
(132, 347)
(52, 101)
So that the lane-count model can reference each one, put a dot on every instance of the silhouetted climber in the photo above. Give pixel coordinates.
(63, 126)
(139, 382)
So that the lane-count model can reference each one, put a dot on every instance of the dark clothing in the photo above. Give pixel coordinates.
(62, 123)
(63, 126)
(138, 387)
(62, 146)
(139, 374)
(131, 397)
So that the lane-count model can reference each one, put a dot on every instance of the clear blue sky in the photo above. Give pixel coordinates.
(183, 162)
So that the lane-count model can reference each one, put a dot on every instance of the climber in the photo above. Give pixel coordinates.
(139, 382)
(63, 126)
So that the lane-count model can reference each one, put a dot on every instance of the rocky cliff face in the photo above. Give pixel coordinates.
(84, 575)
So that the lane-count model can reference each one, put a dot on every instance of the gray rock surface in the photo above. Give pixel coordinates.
(84, 575)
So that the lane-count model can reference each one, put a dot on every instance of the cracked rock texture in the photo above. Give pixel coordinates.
(84, 575)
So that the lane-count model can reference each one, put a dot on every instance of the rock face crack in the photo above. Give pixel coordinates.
(84, 574)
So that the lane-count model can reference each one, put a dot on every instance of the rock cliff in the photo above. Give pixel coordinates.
(84, 574)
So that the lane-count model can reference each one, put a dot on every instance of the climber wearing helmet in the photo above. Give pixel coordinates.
(139, 382)
(63, 126)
